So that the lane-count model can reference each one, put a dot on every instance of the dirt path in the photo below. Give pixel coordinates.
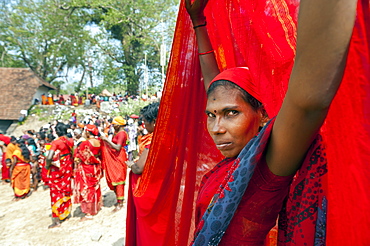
(25, 222)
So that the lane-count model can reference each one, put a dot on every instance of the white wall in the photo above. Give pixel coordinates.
(41, 90)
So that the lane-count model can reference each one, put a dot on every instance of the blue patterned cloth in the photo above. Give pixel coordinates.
(224, 204)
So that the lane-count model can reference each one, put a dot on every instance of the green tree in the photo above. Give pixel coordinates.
(138, 25)
(42, 37)
(98, 40)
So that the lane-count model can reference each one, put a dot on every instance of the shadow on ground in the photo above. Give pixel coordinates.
(109, 199)
(78, 213)
(119, 242)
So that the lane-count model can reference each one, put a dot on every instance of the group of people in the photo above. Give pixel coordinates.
(75, 100)
(85, 153)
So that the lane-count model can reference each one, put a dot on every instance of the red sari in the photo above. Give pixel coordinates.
(5, 175)
(138, 233)
(60, 179)
(21, 176)
(114, 164)
(87, 178)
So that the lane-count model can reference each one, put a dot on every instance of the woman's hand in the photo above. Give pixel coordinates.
(196, 11)
(103, 137)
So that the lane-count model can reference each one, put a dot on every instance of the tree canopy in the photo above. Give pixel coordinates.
(99, 41)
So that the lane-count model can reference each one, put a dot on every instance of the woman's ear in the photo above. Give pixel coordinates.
(263, 117)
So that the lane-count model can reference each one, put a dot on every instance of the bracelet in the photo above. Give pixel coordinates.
(205, 23)
(131, 164)
(205, 53)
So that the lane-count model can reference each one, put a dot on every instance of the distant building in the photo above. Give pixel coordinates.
(20, 88)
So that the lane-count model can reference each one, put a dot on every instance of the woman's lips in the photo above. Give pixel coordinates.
(224, 145)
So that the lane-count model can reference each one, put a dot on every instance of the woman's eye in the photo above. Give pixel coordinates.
(232, 113)
(210, 115)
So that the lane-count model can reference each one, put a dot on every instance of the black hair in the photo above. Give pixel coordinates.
(50, 136)
(24, 150)
(256, 105)
(150, 112)
(42, 135)
(61, 129)
(30, 141)
(30, 132)
(13, 139)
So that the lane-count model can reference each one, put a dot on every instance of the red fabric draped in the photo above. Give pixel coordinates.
(260, 35)
(347, 130)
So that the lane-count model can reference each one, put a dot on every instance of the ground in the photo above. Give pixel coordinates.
(26, 222)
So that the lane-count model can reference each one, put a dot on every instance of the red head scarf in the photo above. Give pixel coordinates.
(242, 77)
(93, 129)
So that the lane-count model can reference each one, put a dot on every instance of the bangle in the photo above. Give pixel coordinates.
(205, 23)
(131, 164)
(205, 53)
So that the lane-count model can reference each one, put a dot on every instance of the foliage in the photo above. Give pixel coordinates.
(132, 107)
(40, 36)
(102, 41)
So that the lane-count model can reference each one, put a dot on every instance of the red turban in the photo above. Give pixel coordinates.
(242, 77)
(93, 129)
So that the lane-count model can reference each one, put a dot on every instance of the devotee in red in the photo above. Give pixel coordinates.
(5, 175)
(88, 172)
(114, 158)
(136, 232)
(59, 162)
(241, 197)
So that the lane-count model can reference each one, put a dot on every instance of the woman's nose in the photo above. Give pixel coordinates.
(217, 127)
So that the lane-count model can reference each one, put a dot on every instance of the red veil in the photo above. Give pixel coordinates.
(261, 35)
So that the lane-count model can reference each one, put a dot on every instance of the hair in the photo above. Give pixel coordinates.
(248, 98)
(24, 150)
(50, 136)
(13, 139)
(42, 135)
(61, 129)
(150, 112)
(30, 132)
(30, 141)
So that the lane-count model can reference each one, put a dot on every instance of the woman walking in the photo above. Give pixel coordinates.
(59, 162)
(114, 160)
(20, 171)
(88, 172)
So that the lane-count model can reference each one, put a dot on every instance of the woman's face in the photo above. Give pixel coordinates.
(116, 127)
(231, 121)
(149, 126)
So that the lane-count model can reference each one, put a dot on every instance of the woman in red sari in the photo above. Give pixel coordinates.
(88, 172)
(136, 233)
(20, 171)
(114, 158)
(59, 163)
(240, 198)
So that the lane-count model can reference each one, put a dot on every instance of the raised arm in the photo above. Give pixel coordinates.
(207, 58)
(324, 32)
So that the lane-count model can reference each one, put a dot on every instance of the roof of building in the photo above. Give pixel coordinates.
(18, 87)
